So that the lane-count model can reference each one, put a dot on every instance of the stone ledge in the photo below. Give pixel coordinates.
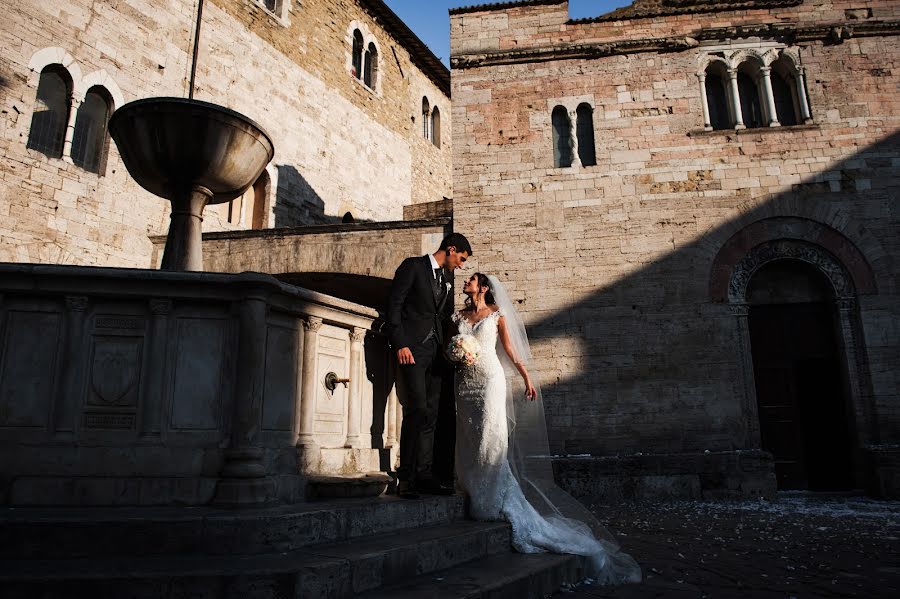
(318, 229)
(741, 474)
(753, 131)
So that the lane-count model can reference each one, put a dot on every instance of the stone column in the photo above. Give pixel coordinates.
(800, 82)
(153, 400)
(184, 250)
(391, 424)
(70, 128)
(735, 97)
(704, 102)
(74, 368)
(354, 403)
(243, 480)
(305, 436)
(770, 96)
(749, 405)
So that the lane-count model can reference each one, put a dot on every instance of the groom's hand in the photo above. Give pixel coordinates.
(405, 357)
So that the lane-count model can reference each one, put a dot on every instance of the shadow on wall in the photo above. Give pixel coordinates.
(297, 203)
(660, 361)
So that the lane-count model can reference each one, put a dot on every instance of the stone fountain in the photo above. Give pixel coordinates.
(192, 153)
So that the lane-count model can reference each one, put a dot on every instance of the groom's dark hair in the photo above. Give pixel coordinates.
(457, 240)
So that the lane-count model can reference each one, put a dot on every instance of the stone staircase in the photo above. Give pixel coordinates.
(372, 547)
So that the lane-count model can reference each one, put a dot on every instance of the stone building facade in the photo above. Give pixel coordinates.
(339, 85)
(696, 206)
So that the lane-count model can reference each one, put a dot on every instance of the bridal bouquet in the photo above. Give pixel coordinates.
(464, 349)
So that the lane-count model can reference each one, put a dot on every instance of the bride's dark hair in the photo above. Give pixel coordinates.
(483, 281)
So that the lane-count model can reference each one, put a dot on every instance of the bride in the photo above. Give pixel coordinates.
(502, 456)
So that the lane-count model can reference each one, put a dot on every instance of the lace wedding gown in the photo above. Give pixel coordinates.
(484, 472)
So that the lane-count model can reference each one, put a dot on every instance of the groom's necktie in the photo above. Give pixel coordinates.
(439, 280)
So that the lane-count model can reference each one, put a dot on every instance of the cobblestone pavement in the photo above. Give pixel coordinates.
(800, 545)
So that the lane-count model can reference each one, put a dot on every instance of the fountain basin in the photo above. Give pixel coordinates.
(170, 145)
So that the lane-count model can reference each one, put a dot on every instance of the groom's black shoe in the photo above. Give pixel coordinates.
(406, 490)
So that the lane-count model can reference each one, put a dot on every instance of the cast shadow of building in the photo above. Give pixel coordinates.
(667, 361)
(297, 202)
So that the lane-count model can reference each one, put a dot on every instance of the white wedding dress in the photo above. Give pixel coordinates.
(485, 474)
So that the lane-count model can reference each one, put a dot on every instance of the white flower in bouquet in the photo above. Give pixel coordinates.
(464, 349)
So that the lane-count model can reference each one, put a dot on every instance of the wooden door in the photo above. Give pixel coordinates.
(800, 391)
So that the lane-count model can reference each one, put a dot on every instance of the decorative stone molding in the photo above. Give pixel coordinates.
(739, 309)
(752, 237)
(312, 324)
(672, 8)
(788, 33)
(846, 304)
(76, 303)
(573, 52)
(160, 307)
(788, 248)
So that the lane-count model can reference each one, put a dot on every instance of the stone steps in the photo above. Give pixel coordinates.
(329, 571)
(503, 576)
(39, 533)
(384, 546)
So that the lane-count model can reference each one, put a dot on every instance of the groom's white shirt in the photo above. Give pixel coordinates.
(434, 265)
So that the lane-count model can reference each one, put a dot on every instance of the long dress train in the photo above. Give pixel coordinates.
(484, 472)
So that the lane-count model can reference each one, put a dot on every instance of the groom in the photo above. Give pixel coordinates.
(418, 309)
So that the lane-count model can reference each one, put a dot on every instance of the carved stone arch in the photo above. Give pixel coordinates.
(791, 57)
(102, 79)
(54, 55)
(739, 57)
(765, 231)
(789, 249)
(710, 59)
(844, 279)
(770, 56)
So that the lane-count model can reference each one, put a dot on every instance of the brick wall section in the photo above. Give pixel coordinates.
(339, 147)
(611, 263)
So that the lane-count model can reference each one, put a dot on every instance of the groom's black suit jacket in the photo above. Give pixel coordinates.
(414, 307)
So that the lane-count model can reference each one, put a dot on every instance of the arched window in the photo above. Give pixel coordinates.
(784, 90)
(751, 108)
(562, 137)
(89, 141)
(784, 100)
(584, 130)
(357, 53)
(426, 118)
(51, 112)
(436, 127)
(370, 71)
(717, 97)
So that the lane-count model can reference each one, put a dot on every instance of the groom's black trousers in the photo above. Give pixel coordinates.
(419, 391)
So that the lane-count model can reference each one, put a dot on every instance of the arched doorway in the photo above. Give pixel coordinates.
(800, 378)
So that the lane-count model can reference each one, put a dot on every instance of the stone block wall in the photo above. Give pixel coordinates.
(340, 147)
(612, 264)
